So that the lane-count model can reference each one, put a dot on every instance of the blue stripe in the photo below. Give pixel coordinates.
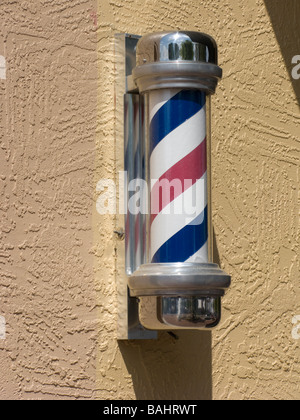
(184, 243)
(173, 113)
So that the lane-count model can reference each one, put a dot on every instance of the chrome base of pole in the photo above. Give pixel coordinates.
(189, 312)
(179, 295)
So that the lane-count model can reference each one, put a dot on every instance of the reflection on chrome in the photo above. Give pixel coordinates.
(190, 311)
(179, 46)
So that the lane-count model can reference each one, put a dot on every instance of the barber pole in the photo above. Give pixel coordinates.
(179, 285)
(178, 164)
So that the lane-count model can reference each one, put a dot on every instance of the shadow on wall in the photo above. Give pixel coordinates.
(285, 17)
(171, 368)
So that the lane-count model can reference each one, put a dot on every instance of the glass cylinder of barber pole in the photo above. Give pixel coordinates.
(177, 72)
(179, 173)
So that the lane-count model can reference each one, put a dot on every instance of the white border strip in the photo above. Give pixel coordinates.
(2, 328)
(2, 68)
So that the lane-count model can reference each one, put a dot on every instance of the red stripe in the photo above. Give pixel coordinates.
(192, 168)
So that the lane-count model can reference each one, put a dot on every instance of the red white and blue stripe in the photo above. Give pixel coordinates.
(178, 156)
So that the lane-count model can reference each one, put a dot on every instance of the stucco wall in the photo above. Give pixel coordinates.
(57, 255)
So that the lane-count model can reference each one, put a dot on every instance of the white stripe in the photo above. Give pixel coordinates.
(158, 98)
(176, 216)
(200, 256)
(178, 144)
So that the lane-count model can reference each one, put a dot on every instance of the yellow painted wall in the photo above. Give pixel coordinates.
(57, 255)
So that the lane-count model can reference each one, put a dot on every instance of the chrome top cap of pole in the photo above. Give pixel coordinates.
(185, 60)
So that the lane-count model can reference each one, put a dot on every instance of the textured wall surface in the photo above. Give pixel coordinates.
(57, 255)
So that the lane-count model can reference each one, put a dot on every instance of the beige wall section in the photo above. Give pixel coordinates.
(57, 255)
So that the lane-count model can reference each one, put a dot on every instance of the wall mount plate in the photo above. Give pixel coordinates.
(128, 135)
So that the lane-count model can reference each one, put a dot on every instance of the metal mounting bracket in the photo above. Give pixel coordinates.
(128, 132)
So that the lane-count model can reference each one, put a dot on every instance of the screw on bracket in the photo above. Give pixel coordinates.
(120, 234)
